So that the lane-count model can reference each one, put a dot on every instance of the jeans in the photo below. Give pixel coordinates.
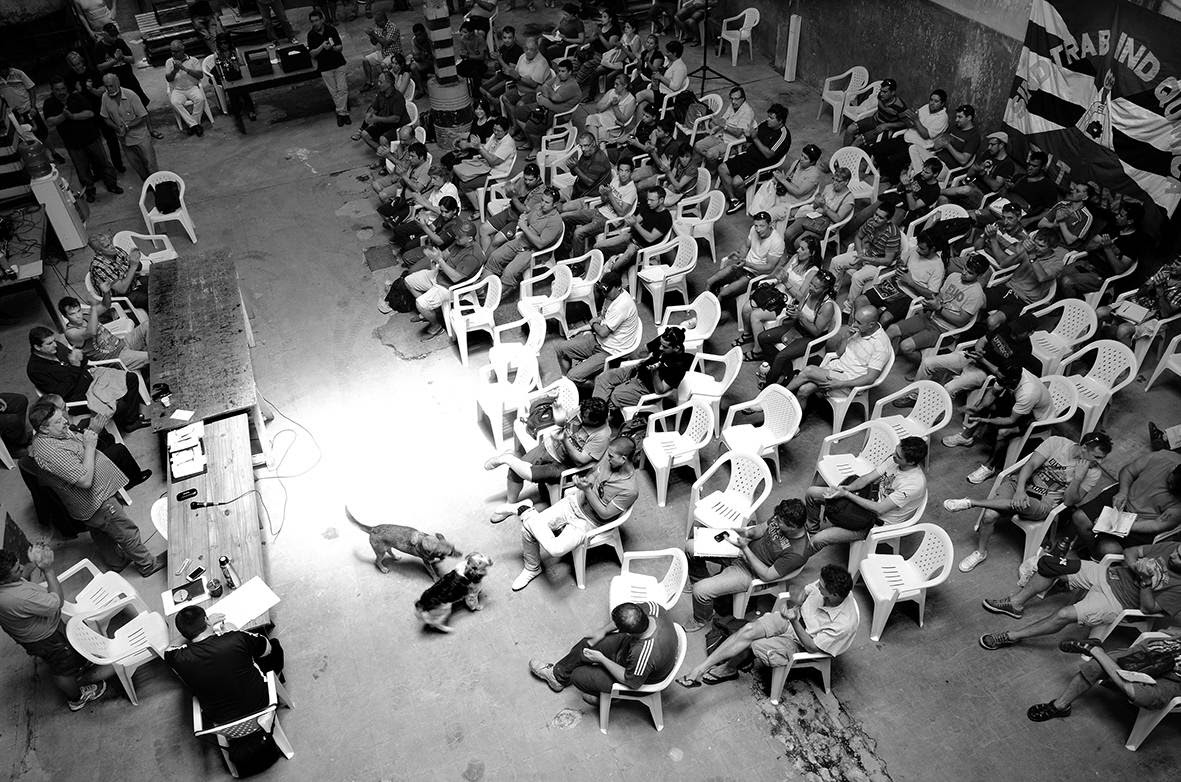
(735, 577)
(111, 521)
(13, 428)
(592, 679)
(586, 354)
(621, 387)
(275, 6)
(92, 164)
(557, 529)
(968, 376)
(141, 157)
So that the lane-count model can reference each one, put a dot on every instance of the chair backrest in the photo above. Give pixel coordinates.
(246, 726)
(715, 207)
(1114, 361)
(714, 101)
(686, 258)
(155, 179)
(750, 19)
(708, 311)
(146, 631)
(534, 327)
(933, 407)
(1076, 322)
(781, 410)
(747, 474)
(563, 279)
(858, 78)
(880, 443)
(207, 66)
(854, 159)
(700, 428)
(594, 266)
(673, 583)
(528, 373)
(88, 642)
(733, 359)
(411, 114)
(938, 214)
(1063, 394)
(935, 554)
(703, 181)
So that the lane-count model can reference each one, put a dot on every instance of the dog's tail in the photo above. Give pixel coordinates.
(349, 514)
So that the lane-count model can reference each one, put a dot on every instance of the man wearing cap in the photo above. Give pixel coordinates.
(990, 175)
(889, 116)
(1059, 471)
(456, 263)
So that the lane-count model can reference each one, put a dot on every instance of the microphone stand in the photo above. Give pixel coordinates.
(705, 72)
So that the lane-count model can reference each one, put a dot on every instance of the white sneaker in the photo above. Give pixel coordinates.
(956, 440)
(90, 692)
(971, 561)
(963, 503)
(981, 474)
(524, 578)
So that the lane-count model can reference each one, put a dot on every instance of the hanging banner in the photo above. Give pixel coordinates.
(1097, 89)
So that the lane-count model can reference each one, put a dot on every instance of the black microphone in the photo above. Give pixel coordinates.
(194, 505)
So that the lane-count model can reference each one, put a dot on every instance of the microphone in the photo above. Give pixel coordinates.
(195, 505)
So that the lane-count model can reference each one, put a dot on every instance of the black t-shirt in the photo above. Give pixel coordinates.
(661, 220)
(1004, 349)
(670, 366)
(1005, 169)
(220, 670)
(928, 193)
(82, 82)
(103, 51)
(75, 133)
(1039, 194)
(329, 59)
(511, 53)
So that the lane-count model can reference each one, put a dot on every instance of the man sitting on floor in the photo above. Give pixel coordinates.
(581, 358)
(637, 647)
(31, 615)
(1058, 471)
(660, 372)
(861, 354)
(601, 495)
(85, 331)
(822, 620)
(1149, 579)
(1150, 487)
(222, 665)
(767, 551)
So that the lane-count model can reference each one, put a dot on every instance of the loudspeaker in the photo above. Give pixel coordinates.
(258, 62)
(294, 57)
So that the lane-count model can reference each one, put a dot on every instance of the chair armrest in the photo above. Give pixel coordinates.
(1151, 635)
(750, 404)
(78, 567)
(198, 721)
(781, 601)
(669, 311)
(503, 327)
(828, 442)
(109, 362)
(703, 357)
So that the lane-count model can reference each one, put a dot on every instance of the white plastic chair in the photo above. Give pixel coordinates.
(669, 99)
(1076, 324)
(1062, 409)
(1035, 531)
(842, 400)
(6, 457)
(835, 96)
(659, 279)
(467, 313)
(860, 549)
(648, 694)
(138, 642)
(866, 179)
(1112, 368)
(817, 347)
(494, 186)
(879, 445)
(161, 247)
(565, 395)
(696, 216)
(647, 256)
(629, 587)
(1095, 298)
(801, 659)
(504, 356)
(1170, 360)
(1129, 617)
(1147, 719)
(757, 588)
(266, 720)
(832, 234)
(1144, 344)
(602, 535)
(219, 91)
(495, 398)
(667, 446)
(891, 578)
(206, 80)
(701, 125)
(862, 103)
(781, 422)
(104, 590)
(706, 310)
(736, 34)
(153, 217)
(582, 289)
(936, 215)
(734, 506)
(556, 147)
(543, 257)
(551, 305)
(931, 412)
(620, 356)
(705, 386)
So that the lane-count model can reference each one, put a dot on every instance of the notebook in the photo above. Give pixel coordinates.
(1114, 522)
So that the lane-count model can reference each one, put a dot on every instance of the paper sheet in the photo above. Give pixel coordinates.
(704, 544)
(1114, 522)
(246, 603)
(182, 415)
(171, 608)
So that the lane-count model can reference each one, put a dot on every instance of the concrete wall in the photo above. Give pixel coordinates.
(13, 11)
(966, 47)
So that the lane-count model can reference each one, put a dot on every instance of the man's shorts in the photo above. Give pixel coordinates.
(56, 651)
(1146, 696)
(1037, 509)
(921, 330)
(1100, 604)
(779, 641)
(746, 164)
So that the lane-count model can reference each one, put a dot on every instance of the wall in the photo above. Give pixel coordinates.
(923, 44)
(13, 11)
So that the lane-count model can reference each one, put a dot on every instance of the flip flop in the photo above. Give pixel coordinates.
(356, 136)
(688, 683)
(711, 679)
(742, 339)
(157, 134)
(750, 355)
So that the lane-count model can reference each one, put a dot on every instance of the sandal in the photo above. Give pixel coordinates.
(688, 683)
(1078, 645)
(1041, 712)
(750, 355)
(711, 679)
(157, 134)
(742, 339)
(356, 136)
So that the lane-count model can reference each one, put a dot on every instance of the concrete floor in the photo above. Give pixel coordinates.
(372, 417)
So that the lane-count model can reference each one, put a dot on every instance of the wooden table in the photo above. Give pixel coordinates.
(25, 251)
(233, 530)
(277, 78)
(200, 339)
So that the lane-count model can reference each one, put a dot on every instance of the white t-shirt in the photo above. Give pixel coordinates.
(536, 69)
(506, 150)
(1031, 396)
(623, 319)
(762, 249)
(904, 488)
(677, 74)
(625, 193)
(935, 123)
(927, 272)
(743, 118)
(861, 355)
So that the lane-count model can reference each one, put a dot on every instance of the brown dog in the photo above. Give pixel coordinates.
(389, 538)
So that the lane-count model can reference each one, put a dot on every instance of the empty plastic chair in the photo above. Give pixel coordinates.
(781, 422)
(630, 587)
(153, 217)
(891, 578)
(667, 445)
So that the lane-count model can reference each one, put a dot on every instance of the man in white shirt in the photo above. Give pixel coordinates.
(760, 255)
(732, 126)
(615, 200)
(861, 356)
(530, 73)
(823, 619)
(581, 358)
(893, 155)
(183, 74)
(674, 78)
(125, 113)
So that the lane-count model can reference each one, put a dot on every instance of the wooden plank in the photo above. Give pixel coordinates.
(198, 341)
(205, 534)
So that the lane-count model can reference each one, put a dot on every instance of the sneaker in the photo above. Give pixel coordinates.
(1002, 606)
(994, 641)
(957, 440)
(502, 512)
(906, 402)
(963, 503)
(735, 206)
(981, 474)
(91, 692)
(693, 625)
(545, 672)
(1041, 712)
(969, 563)
(524, 578)
(384, 307)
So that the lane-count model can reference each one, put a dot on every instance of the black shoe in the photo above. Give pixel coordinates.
(143, 476)
(189, 130)
(200, 131)
(121, 169)
(348, 120)
(116, 190)
(90, 196)
(339, 121)
(138, 423)
(157, 565)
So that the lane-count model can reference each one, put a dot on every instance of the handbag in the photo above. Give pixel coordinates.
(768, 297)
(540, 415)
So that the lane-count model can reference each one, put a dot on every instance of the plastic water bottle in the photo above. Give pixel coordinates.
(228, 572)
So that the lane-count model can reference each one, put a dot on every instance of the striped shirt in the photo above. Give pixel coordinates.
(652, 659)
(109, 270)
(60, 460)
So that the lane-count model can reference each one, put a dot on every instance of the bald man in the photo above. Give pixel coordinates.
(862, 352)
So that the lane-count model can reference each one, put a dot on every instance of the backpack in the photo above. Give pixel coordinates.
(636, 430)
(253, 753)
(683, 103)
(541, 415)
(167, 196)
(944, 230)
(400, 297)
(694, 112)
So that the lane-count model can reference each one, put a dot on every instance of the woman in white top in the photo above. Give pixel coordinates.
(788, 186)
(812, 317)
(768, 297)
(396, 65)
(631, 40)
(672, 79)
(496, 157)
(614, 110)
(832, 205)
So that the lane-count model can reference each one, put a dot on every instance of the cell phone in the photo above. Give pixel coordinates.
(721, 536)
(196, 572)
(184, 495)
